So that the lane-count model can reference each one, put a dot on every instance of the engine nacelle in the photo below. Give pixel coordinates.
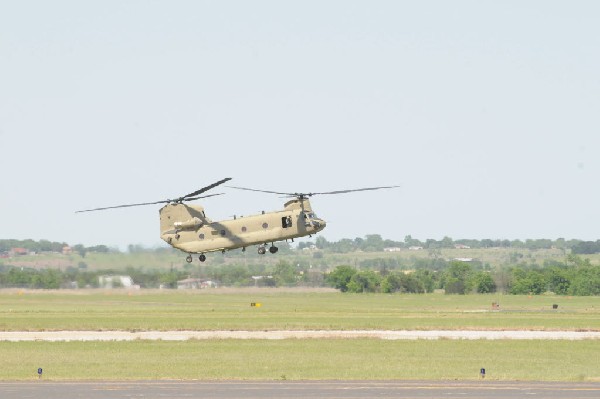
(191, 224)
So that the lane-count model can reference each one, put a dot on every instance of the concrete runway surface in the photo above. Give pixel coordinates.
(16, 336)
(297, 389)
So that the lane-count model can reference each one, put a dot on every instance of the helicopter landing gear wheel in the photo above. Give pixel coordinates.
(261, 250)
(202, 257)
(273, 249)
(189, 259)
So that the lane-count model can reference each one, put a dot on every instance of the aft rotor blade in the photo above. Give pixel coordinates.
(260, 191)
(146, 203)
(352, 190)
(124, 206)
(304, 195)
(204, 189)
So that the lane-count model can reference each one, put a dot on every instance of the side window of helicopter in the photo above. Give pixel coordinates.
(286, 222)
(201, 236)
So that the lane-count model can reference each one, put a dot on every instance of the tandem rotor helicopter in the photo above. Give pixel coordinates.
(187, 228)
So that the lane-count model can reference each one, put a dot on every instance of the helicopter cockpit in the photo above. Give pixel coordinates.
(311, 219)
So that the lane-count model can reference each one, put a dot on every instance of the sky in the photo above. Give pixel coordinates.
(484, 112)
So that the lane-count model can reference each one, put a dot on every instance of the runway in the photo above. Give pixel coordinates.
(17, 336)
(297, 389)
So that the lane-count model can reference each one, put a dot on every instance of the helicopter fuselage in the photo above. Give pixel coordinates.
(187, 228)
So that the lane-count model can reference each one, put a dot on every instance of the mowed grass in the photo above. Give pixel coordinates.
(223, 309)
(315, 359)
(336, 359)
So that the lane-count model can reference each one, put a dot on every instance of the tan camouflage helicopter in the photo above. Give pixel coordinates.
(187, 228)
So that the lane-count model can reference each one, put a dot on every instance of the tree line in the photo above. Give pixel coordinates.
(369, 243)
(375, 243)
(49, 246)
(32, 245)
(573, 276)
(279, 275)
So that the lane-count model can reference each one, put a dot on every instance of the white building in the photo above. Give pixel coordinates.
(115, 281)
(195, 283)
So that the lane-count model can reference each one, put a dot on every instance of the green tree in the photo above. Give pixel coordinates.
(373, 243)
(457, 278)
(321, 243)
(427, 279)
(412, 242)
(586, 281)
(232, 275)
(586, 247)
(80, 249)
(168, 279)
(340, 277)
(284, 274)
(364, 281)
(391, 283)
(447, 242)
(19, 278)
(559, 280)
(484, 283)
(400, 282)
(527, 282)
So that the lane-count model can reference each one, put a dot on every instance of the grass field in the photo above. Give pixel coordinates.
(223, 309)
(336, 359)
(296, 359)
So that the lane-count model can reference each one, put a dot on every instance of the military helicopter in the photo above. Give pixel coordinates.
(187, 228)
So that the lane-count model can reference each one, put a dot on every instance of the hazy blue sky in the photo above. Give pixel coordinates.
(485, 112)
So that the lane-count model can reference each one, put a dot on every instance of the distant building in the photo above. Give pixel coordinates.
(195, 284)
(116, 281)
(18, 252)
(67, 250)
(415, 248)
(461, 246)
(392, 249)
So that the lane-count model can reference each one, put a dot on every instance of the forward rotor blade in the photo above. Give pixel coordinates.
(204, 196)
(124, 206)
(204, 189)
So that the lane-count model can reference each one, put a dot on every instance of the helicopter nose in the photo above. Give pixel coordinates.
(319, 224)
